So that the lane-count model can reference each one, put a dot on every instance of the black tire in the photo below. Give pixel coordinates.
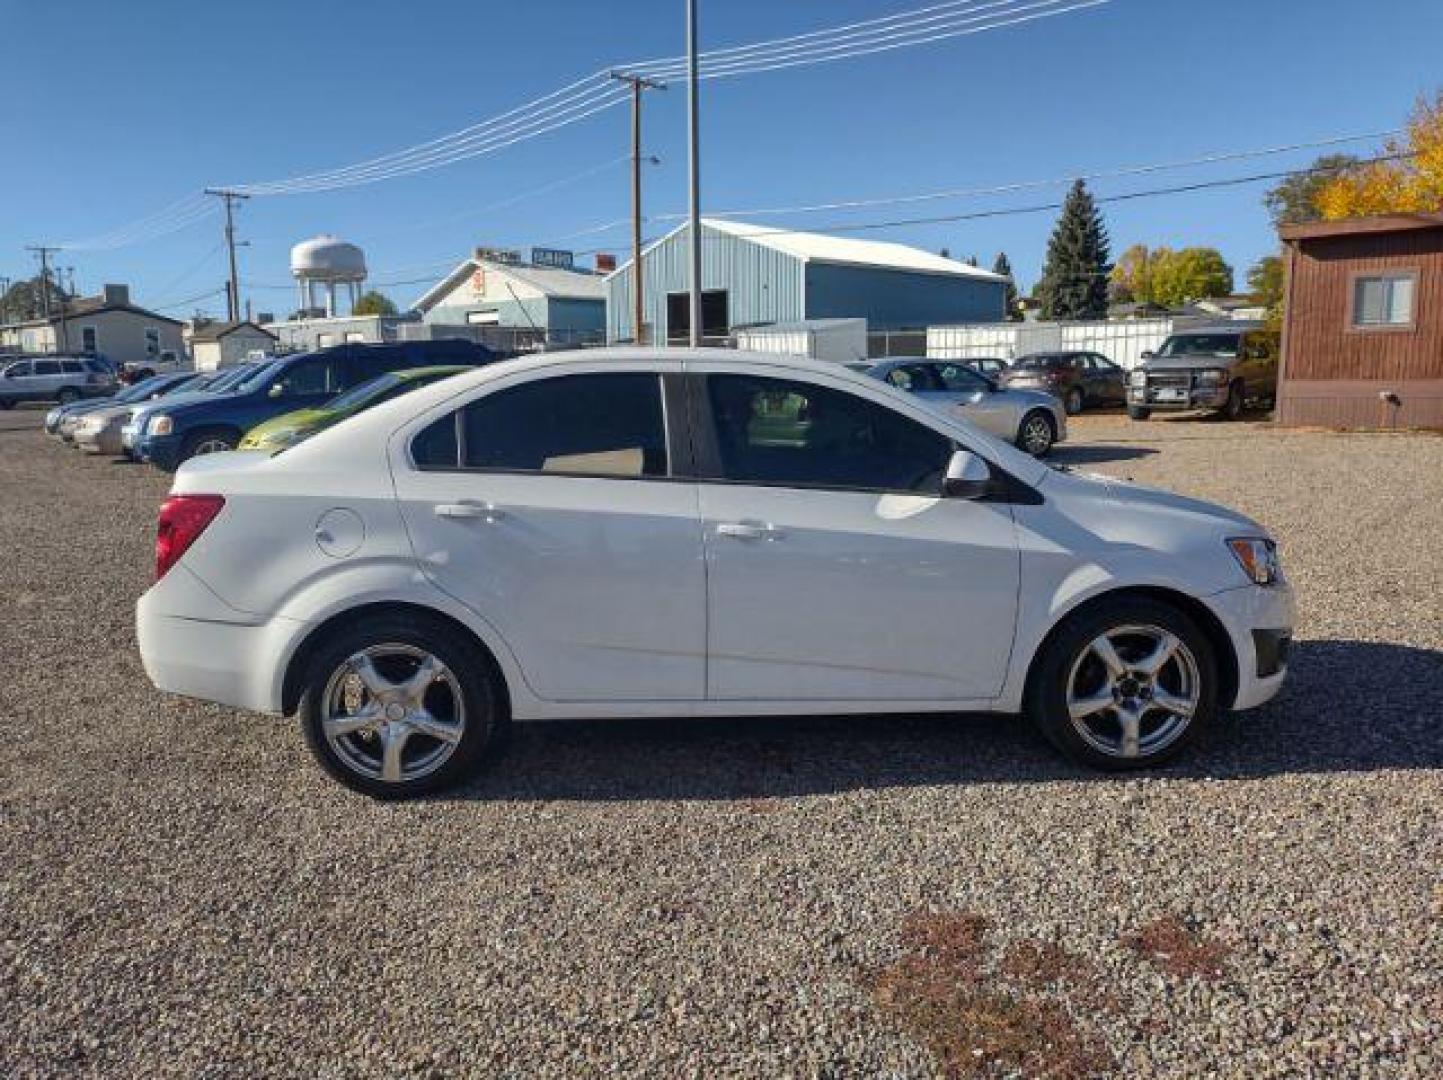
(1072, 401)
(6, 403)
(1233, 409)
(1029, 433)
(485, 718)
(1136, 412)
(207, 441)
(69, 395)
(1069, 646)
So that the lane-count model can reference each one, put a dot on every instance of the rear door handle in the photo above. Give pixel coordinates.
(744, 530)
(470, 510)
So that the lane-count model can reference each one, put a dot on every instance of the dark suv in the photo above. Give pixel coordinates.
(1219, 368)
(1078, 379)
(214, 422)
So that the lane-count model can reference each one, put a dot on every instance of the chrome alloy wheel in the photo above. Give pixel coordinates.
(1036, 435)
(212, 446)
(1133, 691)
(393, 712)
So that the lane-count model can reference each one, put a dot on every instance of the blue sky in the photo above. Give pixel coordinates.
(116, 110)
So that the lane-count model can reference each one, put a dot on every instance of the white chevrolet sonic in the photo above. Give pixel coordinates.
(631, 532)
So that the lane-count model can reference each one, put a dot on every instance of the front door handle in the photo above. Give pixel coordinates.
(745, 530)
(469, 510)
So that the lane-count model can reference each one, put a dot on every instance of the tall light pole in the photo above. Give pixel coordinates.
(693, 156)
(638, 305)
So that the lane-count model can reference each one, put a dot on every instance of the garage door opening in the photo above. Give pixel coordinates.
(715, 317)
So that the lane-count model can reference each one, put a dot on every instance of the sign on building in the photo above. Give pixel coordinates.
(554, 258)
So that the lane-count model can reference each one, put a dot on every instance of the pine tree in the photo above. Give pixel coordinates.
(1012, 303)
(1074, 279)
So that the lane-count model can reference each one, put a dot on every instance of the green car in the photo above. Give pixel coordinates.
(285, 431)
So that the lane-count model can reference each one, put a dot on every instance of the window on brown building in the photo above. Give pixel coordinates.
(1383, 300)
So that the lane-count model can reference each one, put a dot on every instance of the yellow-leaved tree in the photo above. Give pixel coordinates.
(1410, 184)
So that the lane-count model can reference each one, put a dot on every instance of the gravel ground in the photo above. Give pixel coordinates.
(185, 894)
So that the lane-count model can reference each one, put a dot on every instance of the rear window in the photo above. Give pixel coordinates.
(1036, 363)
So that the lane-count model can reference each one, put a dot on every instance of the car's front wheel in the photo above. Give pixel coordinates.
(68, 396)
(1125, 684)
(211, 441)
(1233, 408)
(1137, 412)
(399, 706)
(1036, 433)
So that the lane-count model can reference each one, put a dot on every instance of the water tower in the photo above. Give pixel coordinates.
(327, 261)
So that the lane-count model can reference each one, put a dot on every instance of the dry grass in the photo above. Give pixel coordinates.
(1179, 949)
(943, 993)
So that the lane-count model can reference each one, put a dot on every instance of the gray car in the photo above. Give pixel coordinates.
(1029, 419)
(55, 378)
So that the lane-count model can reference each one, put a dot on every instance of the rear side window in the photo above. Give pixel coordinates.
(72, 367)
(776, 432)
(574, 425)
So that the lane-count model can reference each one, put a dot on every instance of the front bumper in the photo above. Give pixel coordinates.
(1257, 620)
(162, 451)
(104, 440)
(1180, 398)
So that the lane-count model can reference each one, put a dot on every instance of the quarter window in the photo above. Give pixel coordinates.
(1383, 300)
(573, 425)
(777, 432)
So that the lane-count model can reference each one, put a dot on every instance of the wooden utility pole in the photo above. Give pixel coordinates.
(693, 153)
(638, 305)
(232, 293)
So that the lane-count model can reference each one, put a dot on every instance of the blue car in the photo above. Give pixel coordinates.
(155, 386)
(175, 432)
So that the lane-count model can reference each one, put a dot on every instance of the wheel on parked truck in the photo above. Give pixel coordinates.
(1036, 433)
(1137, 412)
(208, 441)
(399, 705)
(68, 396)
(1124, 684)
(1233, 407)
(1072, 401)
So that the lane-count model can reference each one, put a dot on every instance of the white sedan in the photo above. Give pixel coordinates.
(624, 532)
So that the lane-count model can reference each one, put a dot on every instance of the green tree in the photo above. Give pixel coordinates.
(1266, 280)
(1295, 200)
(1132, 276)
(1195, 273)
(1074, 278)
(1011, 301)
(373, 303)
(25, 300)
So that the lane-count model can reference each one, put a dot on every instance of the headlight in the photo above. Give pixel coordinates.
(1138, 378)
(1258, 557)
(160, 425)
(1212, 376)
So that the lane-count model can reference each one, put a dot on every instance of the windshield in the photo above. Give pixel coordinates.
(141, 390)
(359, 395)
(1224, 345)
(257, 378)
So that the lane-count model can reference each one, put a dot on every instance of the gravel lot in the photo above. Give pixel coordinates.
(184, 893)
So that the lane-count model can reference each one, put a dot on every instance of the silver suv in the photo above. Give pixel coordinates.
(55, 378)
(1219, 368)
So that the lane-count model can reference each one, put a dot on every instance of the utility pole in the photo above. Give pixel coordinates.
(232, 293)
(638, 306)
(694, 171)
(43, 253)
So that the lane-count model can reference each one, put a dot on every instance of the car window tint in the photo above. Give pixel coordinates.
(590, 425)
(47, 367)
(307, 377)
(72, 367)
(14, 371)
(436, 447)
(958, 378)
(796, 434)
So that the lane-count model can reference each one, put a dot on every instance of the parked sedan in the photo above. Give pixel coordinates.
(1029, 419)
(285, 431)
(62, 419)
(619, 532)
(1078, 379)
(99, 430)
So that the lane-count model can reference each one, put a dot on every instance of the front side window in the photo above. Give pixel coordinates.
(915, 379)
(15, 371)
(959, 378)
(308, 377)
(1384, 300)
(574, 425)
(777, 432)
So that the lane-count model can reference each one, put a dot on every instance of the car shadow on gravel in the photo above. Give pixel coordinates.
(1350, 706)
(1096, 453)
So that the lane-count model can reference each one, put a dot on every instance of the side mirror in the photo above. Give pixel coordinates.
(968, 476)
(1148, 354)
(276, 390)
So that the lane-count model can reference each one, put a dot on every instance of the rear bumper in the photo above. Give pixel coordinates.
(1258, 621)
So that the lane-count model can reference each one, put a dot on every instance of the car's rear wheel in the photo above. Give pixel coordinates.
(1036, 433)
(1233, 408)
(1125, 684)
(1135, 412)
(68, 396)
(6, 403)
(1072, 401)
(398, 706)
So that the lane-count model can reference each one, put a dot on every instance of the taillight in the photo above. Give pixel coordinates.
(182, 519)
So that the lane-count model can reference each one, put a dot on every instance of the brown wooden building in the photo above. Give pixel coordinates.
(1363, 329)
